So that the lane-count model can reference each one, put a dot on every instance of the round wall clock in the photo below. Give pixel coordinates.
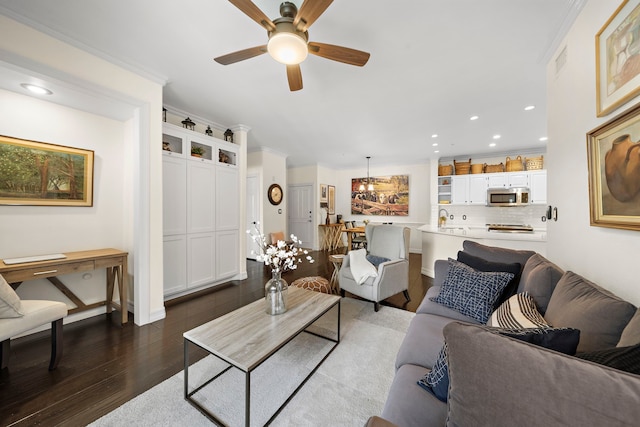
(275, 194)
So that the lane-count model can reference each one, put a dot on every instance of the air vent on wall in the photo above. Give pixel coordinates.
(561, 59)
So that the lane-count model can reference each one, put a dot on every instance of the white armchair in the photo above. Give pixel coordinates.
(385, 241)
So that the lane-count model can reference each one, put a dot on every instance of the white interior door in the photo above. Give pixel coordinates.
(300, 210)
(253, 213)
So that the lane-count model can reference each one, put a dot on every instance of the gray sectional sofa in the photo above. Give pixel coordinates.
(497, 380)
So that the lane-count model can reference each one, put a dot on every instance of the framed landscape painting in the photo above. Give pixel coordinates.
(618, 58)
(389, 195)
(614, 172)
(42, 174)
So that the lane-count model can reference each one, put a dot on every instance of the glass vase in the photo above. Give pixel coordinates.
(275, 294)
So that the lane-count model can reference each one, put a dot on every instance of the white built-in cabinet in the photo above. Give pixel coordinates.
(472, 189)
(200, 210)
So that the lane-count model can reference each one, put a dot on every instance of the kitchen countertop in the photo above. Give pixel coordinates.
(480, 232)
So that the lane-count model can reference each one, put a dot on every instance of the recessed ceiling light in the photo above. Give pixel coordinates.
(529, 107)
(36, 89)
(474, 118)
(493, 144)
(435, 144)
(435, 135)
(544, 138)
(436, 151)
(496, 136)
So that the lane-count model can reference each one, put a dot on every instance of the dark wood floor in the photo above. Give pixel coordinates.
(105, 365)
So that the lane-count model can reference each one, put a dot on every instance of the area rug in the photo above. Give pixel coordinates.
(349, 387)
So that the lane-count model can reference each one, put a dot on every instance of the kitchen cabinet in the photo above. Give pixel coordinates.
(538, 187)
(201, 208)
(477, 189)
(459, 189)
(472, 189)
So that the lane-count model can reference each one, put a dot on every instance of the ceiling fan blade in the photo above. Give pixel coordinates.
(294, 75)
(241, 55)
(309, 12)
(254, 12)
(339, 53)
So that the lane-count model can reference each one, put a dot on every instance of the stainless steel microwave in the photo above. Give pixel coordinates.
(514, 196)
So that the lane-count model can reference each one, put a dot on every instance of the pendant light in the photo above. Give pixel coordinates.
(369, 186)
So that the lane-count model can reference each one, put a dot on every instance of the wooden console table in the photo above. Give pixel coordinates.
(331, 236)
(113, 260)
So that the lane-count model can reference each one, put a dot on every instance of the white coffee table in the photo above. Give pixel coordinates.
(228, 336)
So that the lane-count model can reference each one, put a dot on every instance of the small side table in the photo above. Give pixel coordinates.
(336, 260)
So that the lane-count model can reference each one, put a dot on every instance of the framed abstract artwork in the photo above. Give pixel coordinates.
(42, 174)
(613, 154)
(618, 58)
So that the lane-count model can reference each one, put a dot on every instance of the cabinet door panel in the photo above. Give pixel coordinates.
(201, 259)
(459, 190)
(174, 199)
(175, 264)
(538, 181)
(227, 253)
(227, 200)
(200, 197)
(477, 190)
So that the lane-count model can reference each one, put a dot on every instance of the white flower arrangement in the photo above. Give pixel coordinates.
(281, 257)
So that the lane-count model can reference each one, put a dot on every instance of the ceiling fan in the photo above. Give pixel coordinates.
(289, 39)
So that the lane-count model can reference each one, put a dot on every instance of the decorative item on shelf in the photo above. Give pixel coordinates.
(223, 157)
(188, 124)
(477, 168)
(444, 170)
(164, 114)
(166, 146)
(281, 257)
(327, 220)
(197, 151)
(228, 135)
(493, 168)
(338, 219)
(366, 221)
(462, 168)
(514, 165)
(534, 163)
(209, 131)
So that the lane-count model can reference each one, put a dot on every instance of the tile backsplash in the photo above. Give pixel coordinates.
(477, 216)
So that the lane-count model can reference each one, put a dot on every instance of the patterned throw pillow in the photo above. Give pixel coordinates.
(436, 381)
(471, 292)
(481, 264)
(519, 312)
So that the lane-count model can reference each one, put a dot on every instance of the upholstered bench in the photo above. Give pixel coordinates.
(19, 316)
(313, 283)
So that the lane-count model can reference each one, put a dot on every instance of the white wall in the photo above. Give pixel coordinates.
(271, 167)
(138, 160)
(606, 256)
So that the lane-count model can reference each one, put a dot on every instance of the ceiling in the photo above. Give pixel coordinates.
(433, 65)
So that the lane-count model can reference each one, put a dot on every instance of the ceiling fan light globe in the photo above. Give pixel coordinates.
(287, 48)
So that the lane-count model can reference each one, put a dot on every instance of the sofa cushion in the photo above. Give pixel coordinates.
(622, 358)
(408, 405)
(546, 388)
(581, 304)
(539, 279)
(563, 340)
(423, 341)
(631, 333)
(482, 264)
(472, 292)
(496, 254)
(10, 304)
(519, 311)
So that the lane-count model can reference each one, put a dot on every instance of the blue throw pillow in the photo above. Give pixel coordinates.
(376, 260)
(471, 292)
